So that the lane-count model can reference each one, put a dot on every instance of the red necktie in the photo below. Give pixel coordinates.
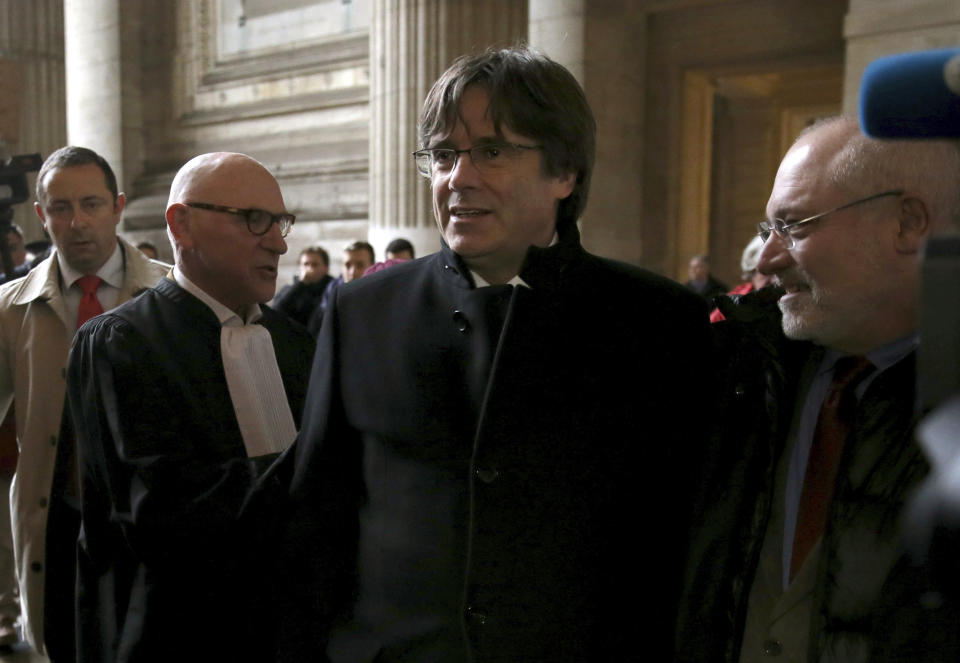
(833, 426)
(89, 304)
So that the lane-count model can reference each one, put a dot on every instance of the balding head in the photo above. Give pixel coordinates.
(852, 275)
(927, 169)
(216, 249)
(218, 175)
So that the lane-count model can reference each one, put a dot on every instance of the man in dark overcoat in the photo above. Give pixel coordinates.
(496, 446)
(813, 457)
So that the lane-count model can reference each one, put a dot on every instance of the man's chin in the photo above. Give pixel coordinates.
(804, 326)
(85, 261)
(798, 321)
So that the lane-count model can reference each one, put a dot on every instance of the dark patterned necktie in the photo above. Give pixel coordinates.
(833, 427)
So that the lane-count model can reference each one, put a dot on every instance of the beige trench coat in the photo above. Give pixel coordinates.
(34, 343)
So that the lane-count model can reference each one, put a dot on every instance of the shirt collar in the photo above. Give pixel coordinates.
(223, 313)
(480, 282)
(883, 357)
(111, 272)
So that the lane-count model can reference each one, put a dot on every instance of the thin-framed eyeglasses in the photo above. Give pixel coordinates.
(486, 158)
(258, 221)
(784, 230)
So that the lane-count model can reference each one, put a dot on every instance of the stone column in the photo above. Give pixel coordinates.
(31, 86)
(92, 40)
(558, 29)
(411, 43)
(586, 37)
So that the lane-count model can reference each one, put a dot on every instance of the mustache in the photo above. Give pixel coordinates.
(792, 276)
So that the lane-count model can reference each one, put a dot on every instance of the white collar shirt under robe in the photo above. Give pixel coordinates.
(253, 377)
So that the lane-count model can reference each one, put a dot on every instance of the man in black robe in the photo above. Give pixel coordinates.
(178, 397)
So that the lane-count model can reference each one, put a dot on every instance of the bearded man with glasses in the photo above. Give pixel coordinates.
(813, 456)
(495, 458)
(180, 398)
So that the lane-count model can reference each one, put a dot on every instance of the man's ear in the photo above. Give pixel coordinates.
(565, 184)
(914, 225)
(43, 220)
(118, 205)
(179, 225)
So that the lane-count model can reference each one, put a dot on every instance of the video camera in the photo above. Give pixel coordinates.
(13, 190)
(13, 178)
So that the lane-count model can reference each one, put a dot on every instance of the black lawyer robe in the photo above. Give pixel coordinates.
(170, 565)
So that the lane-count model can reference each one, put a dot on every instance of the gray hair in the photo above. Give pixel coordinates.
(927, 168)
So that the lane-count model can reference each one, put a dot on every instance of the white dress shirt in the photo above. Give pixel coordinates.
(111, 280)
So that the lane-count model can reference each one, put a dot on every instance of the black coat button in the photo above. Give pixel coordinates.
(772, 648)
(487, 474)
(477, 618)
(36, 566)
(460, 320)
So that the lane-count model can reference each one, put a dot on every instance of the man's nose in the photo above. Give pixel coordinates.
(774, 256)
(273, 240)
(78, 217)
(464, 173)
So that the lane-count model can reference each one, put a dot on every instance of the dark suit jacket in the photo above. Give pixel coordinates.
(300, 300)
(167, 567)
(461, 493)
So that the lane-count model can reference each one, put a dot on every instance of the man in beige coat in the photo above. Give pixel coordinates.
(80, 207)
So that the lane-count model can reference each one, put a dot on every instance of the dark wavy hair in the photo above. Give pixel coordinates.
(533, 96)
(69, 156)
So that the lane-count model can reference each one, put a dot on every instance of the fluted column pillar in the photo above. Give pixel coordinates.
(558, 29)
(31, 85)
(411, 43)
(92, 39)
(586, 37)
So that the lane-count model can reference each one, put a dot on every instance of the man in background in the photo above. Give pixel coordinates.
(702, 281)
(357, 258)
(300, 299)
(400, 249)
(18, 250)
(91, 270)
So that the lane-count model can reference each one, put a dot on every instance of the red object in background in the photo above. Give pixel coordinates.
(377, 266)
(742, 289)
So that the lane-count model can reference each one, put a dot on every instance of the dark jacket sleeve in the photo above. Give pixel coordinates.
(318, 534)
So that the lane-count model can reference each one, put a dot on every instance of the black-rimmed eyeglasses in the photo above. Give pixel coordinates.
(258, 221)
(784, 230)
(487, 157)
